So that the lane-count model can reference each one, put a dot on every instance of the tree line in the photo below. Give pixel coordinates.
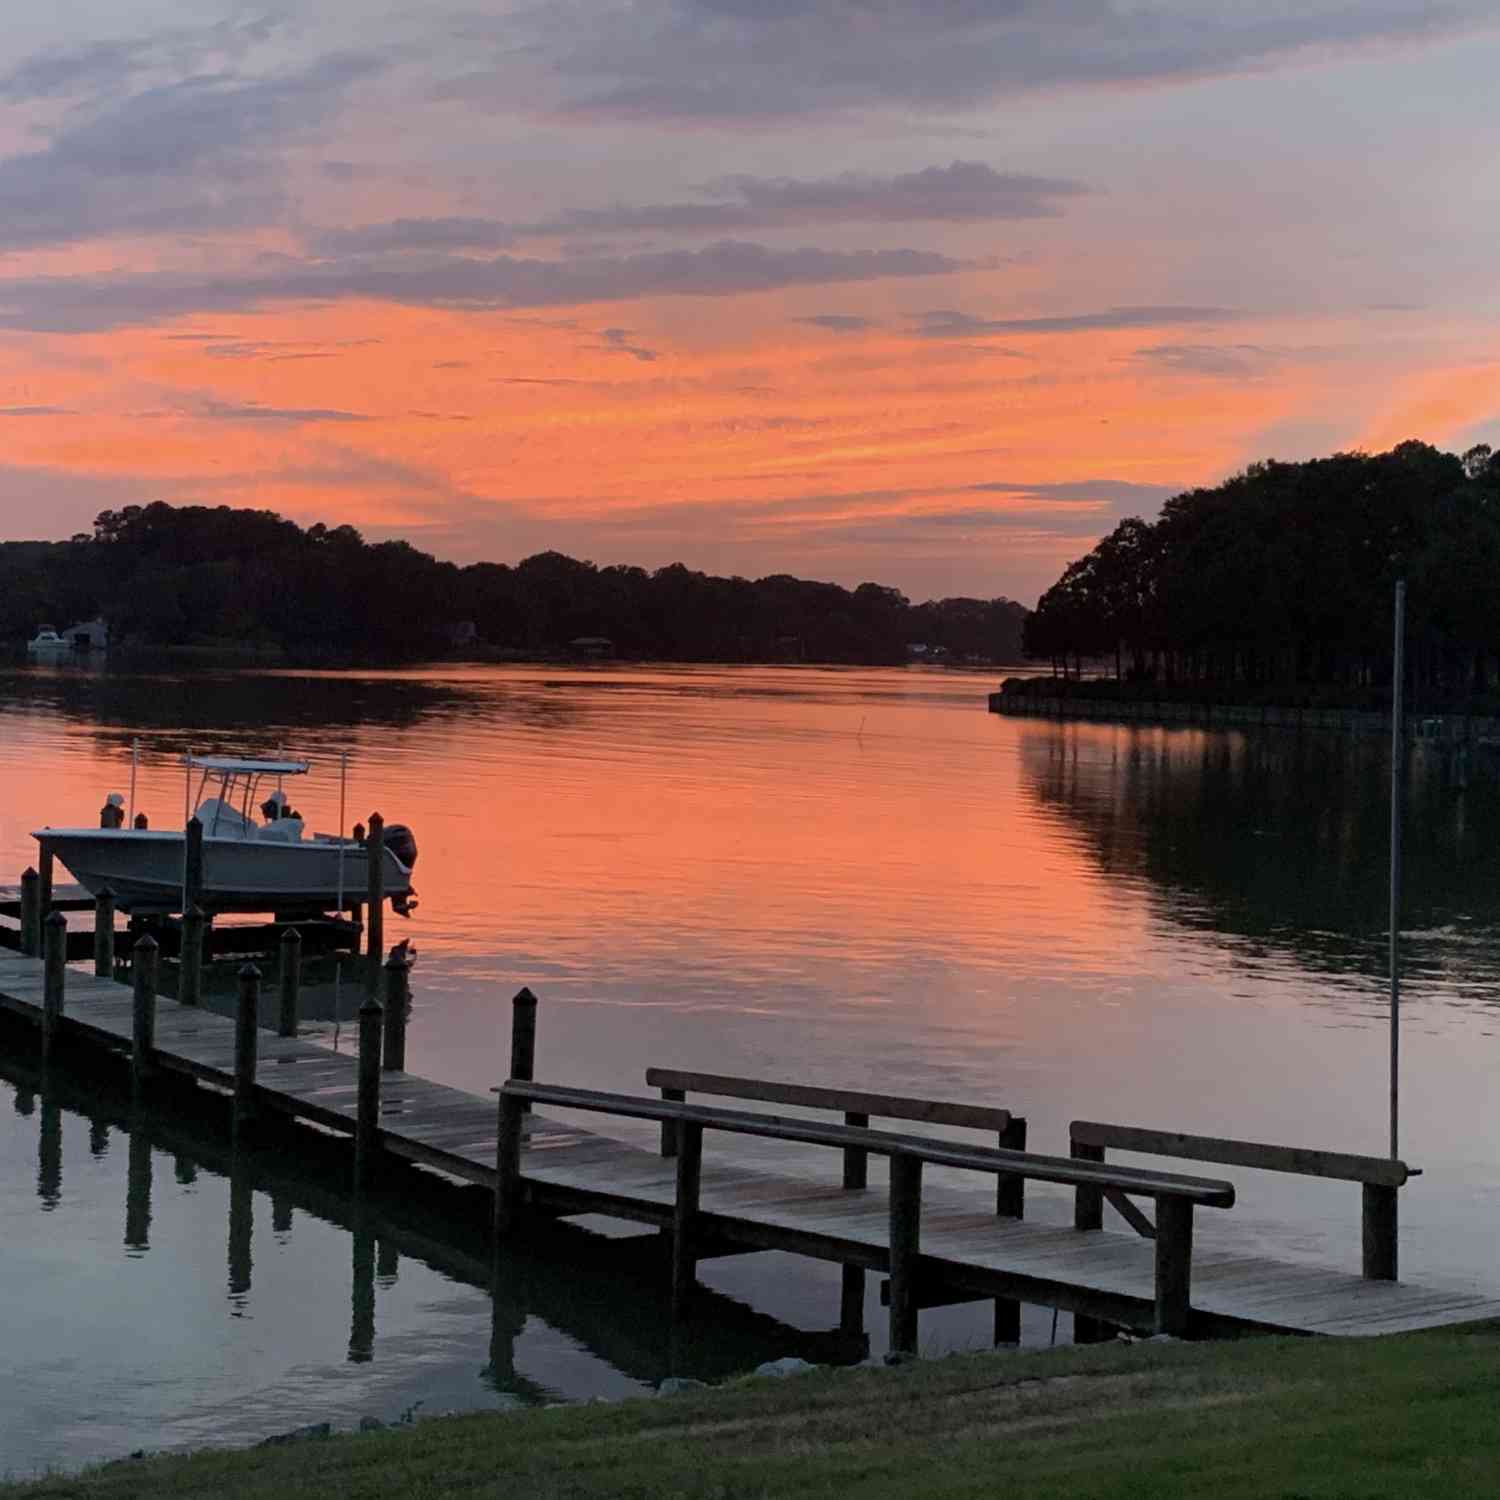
(1283, 576)
(164, 575)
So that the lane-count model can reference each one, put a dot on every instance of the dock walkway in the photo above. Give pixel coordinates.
(966, 1251)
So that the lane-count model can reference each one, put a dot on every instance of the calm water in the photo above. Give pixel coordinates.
(841, 876)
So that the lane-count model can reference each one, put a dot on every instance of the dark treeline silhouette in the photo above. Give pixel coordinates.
(167, 575)
(1281, 578)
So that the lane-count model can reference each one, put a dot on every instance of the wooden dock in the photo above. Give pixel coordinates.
(936, 1242)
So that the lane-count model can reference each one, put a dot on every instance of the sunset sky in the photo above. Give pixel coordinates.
(929, 292)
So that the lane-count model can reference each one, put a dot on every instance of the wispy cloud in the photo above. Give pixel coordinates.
(838, 322)
(948, 324)
(225, 411)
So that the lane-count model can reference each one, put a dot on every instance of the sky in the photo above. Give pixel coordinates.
(925, 292)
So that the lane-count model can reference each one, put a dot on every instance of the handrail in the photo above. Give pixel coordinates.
(1306, 1162)
(1206, 1192)
(851, 1101)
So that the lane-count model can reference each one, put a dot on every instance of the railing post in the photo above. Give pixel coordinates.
(906, 1243)
(104, 934)
(669, 1127)
(367, 1121)
(397, 1004)
(523, 1038)
(31, 913)
(508, 1168)
(856, 1158)
(1088, 1202)
(1174, 1263)
(245, 1028)
(375, 894)
(190, 957)
(192, 869)
(685, 1212)
(291, 982)
(143, 964)
(1378, 1235)
(54, 968)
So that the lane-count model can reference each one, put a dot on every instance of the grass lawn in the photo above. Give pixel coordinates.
(1412, 1416)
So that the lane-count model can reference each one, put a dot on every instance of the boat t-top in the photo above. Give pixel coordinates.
(257, 856)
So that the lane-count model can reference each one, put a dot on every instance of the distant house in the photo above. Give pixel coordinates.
(91, 635)
(591, 645)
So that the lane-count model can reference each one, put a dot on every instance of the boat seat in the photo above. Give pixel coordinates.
(221, 821)
(282, 830)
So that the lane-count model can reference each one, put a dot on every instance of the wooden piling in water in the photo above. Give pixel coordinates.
(508, 1168)
(523, 1038)
(192, 868)
(31, 914)
(375, 897)
(1174, 1264)
(1010, 1203)
(245, 1038)
(143, 964)
(44, 879)
(54, 968)
(190, 956)
(397, 1002)
(905, 1251)
(685, 1213)
(1378, 1232)
(291, 983)
(367, 1121)
(104, 934)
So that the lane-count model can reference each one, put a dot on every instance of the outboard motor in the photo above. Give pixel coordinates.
(402, 842)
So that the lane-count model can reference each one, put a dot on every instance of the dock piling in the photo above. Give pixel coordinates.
(906, 1241)
(375, 894)
(104, 934)
(508, 1168)
(54, 968)
(192, 866)
(367, 1122)
(685, 1212)
(1088, 1201)
(856, 1162)
(44, 879)
(397, 1002)
(143, 967)
(1378, 1232)
(31, 914)
(190, 957)
(523, 1038)
(1174, 1264)
(1010, 1203)
(291, 982)
(245, 1036)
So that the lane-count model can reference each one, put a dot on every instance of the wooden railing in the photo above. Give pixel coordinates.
(858, 1109)
(1380, 1177)
(1175, 1195)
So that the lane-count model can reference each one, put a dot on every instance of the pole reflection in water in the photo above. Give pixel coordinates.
(49, 1151)
(281, 1215)
(362, 1319)
(98, 1137)
(241, 1232)
(138, 1186)
(184, 1169)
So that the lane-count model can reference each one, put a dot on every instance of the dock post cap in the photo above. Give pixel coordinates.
(55, 918)
(29, 873)
(145, 944)
(249, 971)
(106, 893)
(523, 996)
(371, 1007)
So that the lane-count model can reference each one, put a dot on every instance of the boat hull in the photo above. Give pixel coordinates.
(144, 871)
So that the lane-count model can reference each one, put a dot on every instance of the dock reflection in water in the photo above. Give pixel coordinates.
(430, 1322)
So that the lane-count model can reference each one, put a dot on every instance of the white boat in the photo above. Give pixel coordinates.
(269, 865)
(48, 642)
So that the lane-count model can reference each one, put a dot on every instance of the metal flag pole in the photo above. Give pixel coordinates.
(1398, 674)
(135, 761)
